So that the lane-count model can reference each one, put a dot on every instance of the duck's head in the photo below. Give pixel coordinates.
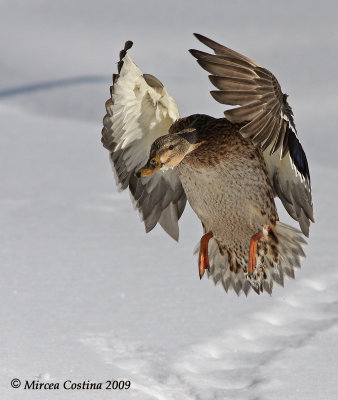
(169, 150)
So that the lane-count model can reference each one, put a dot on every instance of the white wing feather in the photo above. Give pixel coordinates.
(139, 111)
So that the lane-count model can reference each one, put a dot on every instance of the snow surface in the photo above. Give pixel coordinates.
(84, 293)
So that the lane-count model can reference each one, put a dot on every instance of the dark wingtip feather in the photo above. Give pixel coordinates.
(205, 40)
(119, 66)
(128, 45)
(123, 53)
(193, 52)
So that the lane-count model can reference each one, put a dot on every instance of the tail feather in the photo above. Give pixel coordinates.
(275, 260)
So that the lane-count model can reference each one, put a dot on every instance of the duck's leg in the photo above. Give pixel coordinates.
(203, 259)
(253, 248)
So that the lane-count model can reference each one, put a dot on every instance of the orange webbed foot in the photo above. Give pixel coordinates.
(253, 249)
(203, 259)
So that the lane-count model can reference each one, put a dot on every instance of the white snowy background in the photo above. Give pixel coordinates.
(84, 293)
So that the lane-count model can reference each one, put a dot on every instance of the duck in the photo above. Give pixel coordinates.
(229, 169)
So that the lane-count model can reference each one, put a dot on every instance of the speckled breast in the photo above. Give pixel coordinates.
(233, 197)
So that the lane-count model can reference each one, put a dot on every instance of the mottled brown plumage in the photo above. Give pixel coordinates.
(226, 183)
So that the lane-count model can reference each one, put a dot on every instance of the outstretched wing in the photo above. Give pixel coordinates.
(138, 112)
(267, 120)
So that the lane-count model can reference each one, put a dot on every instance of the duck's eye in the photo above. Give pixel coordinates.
(171, 147)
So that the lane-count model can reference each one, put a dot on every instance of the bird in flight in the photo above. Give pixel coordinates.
(229, 169)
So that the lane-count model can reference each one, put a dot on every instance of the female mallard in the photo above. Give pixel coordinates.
(230, 169)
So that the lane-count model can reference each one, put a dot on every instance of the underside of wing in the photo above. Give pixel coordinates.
(267, 120)
(289, 178)
(138, 112)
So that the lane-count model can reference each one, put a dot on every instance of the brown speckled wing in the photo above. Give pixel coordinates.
(268, 119)
(241, 81)
(139, 111)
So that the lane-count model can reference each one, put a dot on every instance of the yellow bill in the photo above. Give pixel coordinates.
(152, 166)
